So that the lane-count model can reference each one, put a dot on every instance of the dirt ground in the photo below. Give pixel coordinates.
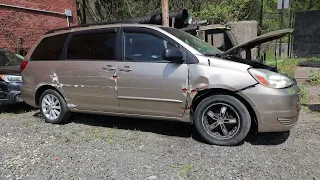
(102, 147)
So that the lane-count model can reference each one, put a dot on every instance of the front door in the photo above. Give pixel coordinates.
(89, 69)
(148, 84)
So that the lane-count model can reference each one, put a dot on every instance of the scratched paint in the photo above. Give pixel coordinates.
(55, 78)
(71, 105)
(193, 91)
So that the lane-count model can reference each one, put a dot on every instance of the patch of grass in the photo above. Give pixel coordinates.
(183, 170)
(66, 139)
(99, 133)
(315, 77)
(93, 134)
(27, 123)
(110, 136)
(304, 94)
(284, 64)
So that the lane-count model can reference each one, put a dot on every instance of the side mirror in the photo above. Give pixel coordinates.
(173, 54)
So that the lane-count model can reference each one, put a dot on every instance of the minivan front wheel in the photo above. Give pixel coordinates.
(53, 107)
(222, 120)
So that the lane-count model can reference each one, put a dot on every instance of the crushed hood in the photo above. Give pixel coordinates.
(259, 40)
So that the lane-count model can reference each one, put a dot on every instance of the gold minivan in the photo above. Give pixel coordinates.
(156, 72)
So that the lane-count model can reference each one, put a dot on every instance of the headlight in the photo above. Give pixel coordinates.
(270, 79)
(11, 78)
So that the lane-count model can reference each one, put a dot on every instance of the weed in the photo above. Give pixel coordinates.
(110, 136)
(315, 77)
(66, 140)
(27, 123)
(304, 94)
(183, 170)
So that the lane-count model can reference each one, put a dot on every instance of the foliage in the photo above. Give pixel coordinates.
(271, 15)
(285, 65)
(304, 94)
(215, 11)
(315, 77)
(108, 10)
(224, 11)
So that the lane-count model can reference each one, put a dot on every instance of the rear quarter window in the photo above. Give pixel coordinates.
(49, 48)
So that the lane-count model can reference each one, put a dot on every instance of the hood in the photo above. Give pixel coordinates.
(259, 40)
(251, 63)
(10, 70)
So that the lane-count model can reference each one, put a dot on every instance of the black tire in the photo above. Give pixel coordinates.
(64, 110)
(243, 121)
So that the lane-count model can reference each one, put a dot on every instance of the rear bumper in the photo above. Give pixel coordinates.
(276, 109)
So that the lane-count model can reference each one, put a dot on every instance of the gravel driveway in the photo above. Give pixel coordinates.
(101, 147)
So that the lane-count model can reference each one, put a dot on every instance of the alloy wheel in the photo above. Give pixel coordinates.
(221, 121)
(51, 107)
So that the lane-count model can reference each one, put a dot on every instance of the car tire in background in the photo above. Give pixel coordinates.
(222, 120)
(53, 107)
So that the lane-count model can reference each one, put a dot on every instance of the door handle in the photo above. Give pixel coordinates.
(108, 68)
(125, 69)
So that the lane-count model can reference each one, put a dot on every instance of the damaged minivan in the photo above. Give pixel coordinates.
(156, 72)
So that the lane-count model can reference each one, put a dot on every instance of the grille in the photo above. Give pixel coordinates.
(289, 121)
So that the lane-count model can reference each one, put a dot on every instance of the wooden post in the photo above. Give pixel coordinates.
(165, 13)
(281, 26)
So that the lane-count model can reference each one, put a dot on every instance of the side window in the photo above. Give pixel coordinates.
(49, 48)
(98, 46)
(144, 47)
(3, 60)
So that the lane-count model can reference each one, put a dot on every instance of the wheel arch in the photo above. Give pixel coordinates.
(43, 88)
(220, 91)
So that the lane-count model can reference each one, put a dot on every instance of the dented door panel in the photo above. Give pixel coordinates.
(153, 88)
(84, 84)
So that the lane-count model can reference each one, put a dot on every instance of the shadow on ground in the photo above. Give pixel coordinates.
(313, 107)
(170, 128)
(16, 108)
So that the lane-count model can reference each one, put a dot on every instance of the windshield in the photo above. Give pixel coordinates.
(194, 42)
(10, 59)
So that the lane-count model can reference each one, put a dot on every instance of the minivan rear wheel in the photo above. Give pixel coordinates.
(222, 120)
(53, 107)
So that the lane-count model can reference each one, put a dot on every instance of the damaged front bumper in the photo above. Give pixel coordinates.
(276, 110)
(10, 93)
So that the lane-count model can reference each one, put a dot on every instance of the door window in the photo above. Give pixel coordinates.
(144, 47)
(97, 46)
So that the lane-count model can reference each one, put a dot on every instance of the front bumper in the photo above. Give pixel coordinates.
(276, 109)
(10, 93)
(13, 97)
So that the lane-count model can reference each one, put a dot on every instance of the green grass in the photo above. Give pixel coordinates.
(304, 95)
(285, 64)
(315, 77)
(183, 170)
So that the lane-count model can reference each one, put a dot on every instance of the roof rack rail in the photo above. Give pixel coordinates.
(92, 24)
